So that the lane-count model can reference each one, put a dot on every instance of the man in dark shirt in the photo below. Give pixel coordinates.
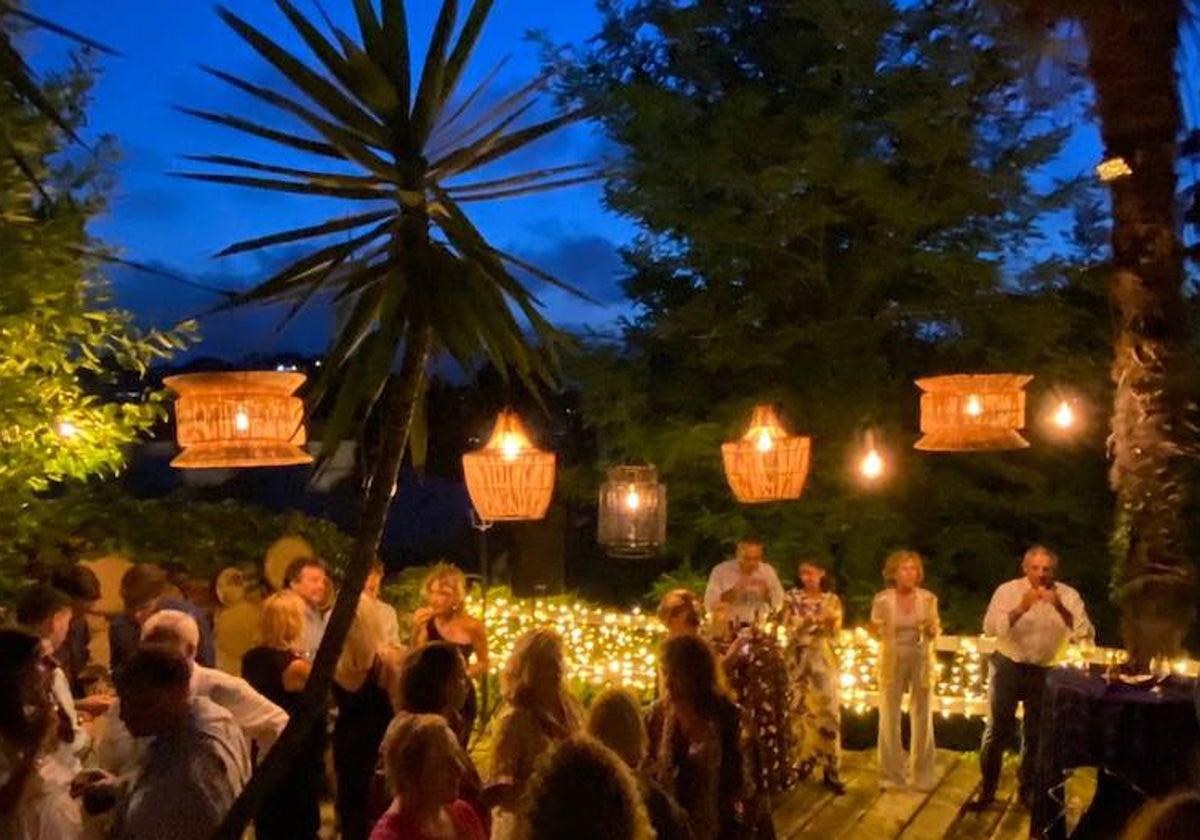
(79, 583)
(142, 589)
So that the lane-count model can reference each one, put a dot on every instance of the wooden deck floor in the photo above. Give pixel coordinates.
(866, 813)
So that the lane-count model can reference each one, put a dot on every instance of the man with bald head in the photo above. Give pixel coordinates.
(1033, 618)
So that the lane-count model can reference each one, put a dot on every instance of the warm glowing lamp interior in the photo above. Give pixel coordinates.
(871, 465)
(511, 445)
(1064, 415)
(66, 429)
(974, 406)
(241, 420)
(632, 500)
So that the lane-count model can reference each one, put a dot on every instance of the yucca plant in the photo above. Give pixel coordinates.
(410, 272)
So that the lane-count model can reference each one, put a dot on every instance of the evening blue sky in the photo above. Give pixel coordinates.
(179, 224)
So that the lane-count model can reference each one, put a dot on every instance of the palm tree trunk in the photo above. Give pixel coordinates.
(400, 403)
(1131, 63)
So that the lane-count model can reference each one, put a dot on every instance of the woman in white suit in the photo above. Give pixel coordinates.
(904, 618)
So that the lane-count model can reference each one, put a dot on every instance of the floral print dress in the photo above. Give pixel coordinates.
(812, 668)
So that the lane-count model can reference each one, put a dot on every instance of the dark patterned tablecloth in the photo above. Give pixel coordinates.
(1143, 740)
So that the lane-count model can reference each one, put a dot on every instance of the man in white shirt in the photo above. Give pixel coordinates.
(308, 578)
(1032, 618)
(260, 720)
(743, 589)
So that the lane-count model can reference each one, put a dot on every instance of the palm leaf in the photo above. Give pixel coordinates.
(330, 97)
(280, 185)
(328, 178)
(297, 234)
(428, 99)
(393, 51)
(467, 39)
(284, 138)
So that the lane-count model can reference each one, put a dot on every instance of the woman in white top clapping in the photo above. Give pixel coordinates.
(904, 618)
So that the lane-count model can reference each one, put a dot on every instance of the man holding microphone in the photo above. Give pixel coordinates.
(1032, 618)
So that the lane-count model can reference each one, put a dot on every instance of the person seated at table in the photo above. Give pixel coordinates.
(904, 618)
(583, 791)
(1032, 617)
(743, 590)
(1173, 818)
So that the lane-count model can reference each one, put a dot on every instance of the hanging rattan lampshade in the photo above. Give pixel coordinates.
(509, 478)
(633, 512)
(972, 412)
(767, 464)
(238, 419)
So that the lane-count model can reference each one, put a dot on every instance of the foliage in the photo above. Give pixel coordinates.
(683, 577)
(410, 272)
(834, 200)
(62, 346)
(201, 537)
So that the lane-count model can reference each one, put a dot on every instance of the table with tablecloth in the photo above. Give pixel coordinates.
(1142, 738)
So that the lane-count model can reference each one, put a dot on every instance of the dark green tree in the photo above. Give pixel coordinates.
(835, 199)
(60, 337)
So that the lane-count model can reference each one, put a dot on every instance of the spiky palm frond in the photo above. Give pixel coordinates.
(404, 149)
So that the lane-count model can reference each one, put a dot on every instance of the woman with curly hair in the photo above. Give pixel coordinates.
(904, 618)
(444, 619)
(583, 791)
(541, 713)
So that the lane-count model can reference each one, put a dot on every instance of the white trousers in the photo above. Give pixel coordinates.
(911, 675)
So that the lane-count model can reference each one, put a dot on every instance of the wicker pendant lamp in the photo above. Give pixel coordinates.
(509, 478)
(633, 512)
(767, 464)
(238, 419)
(972, 412)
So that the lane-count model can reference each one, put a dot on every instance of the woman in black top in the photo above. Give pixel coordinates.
(277, 671)
(445, 620)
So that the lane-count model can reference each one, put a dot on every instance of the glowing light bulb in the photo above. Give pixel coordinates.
(510, 446)
(764, 442)
(66, 429)
(871, 465)
(632, 500)
(974, 406)
(241, 420)
(1064, 415)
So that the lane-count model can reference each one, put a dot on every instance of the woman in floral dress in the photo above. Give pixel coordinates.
(814, 617)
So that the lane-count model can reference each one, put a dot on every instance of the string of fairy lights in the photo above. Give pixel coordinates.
(606, 647)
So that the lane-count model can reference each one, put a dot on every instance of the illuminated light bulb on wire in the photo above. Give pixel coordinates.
(871, 466)
(764, 442)
(632, 500)
(241, 420)
(1064, 415)
(510, 446)
(66, 429)
(974, 406)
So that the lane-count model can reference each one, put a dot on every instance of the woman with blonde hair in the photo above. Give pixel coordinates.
(425, 767)
(904, 618)
(615, 720)
(681, 613)
(445, 620)
(541, 712)
(583, 792)
(278, 670)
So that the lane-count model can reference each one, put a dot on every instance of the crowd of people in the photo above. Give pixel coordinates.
(741, 712)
